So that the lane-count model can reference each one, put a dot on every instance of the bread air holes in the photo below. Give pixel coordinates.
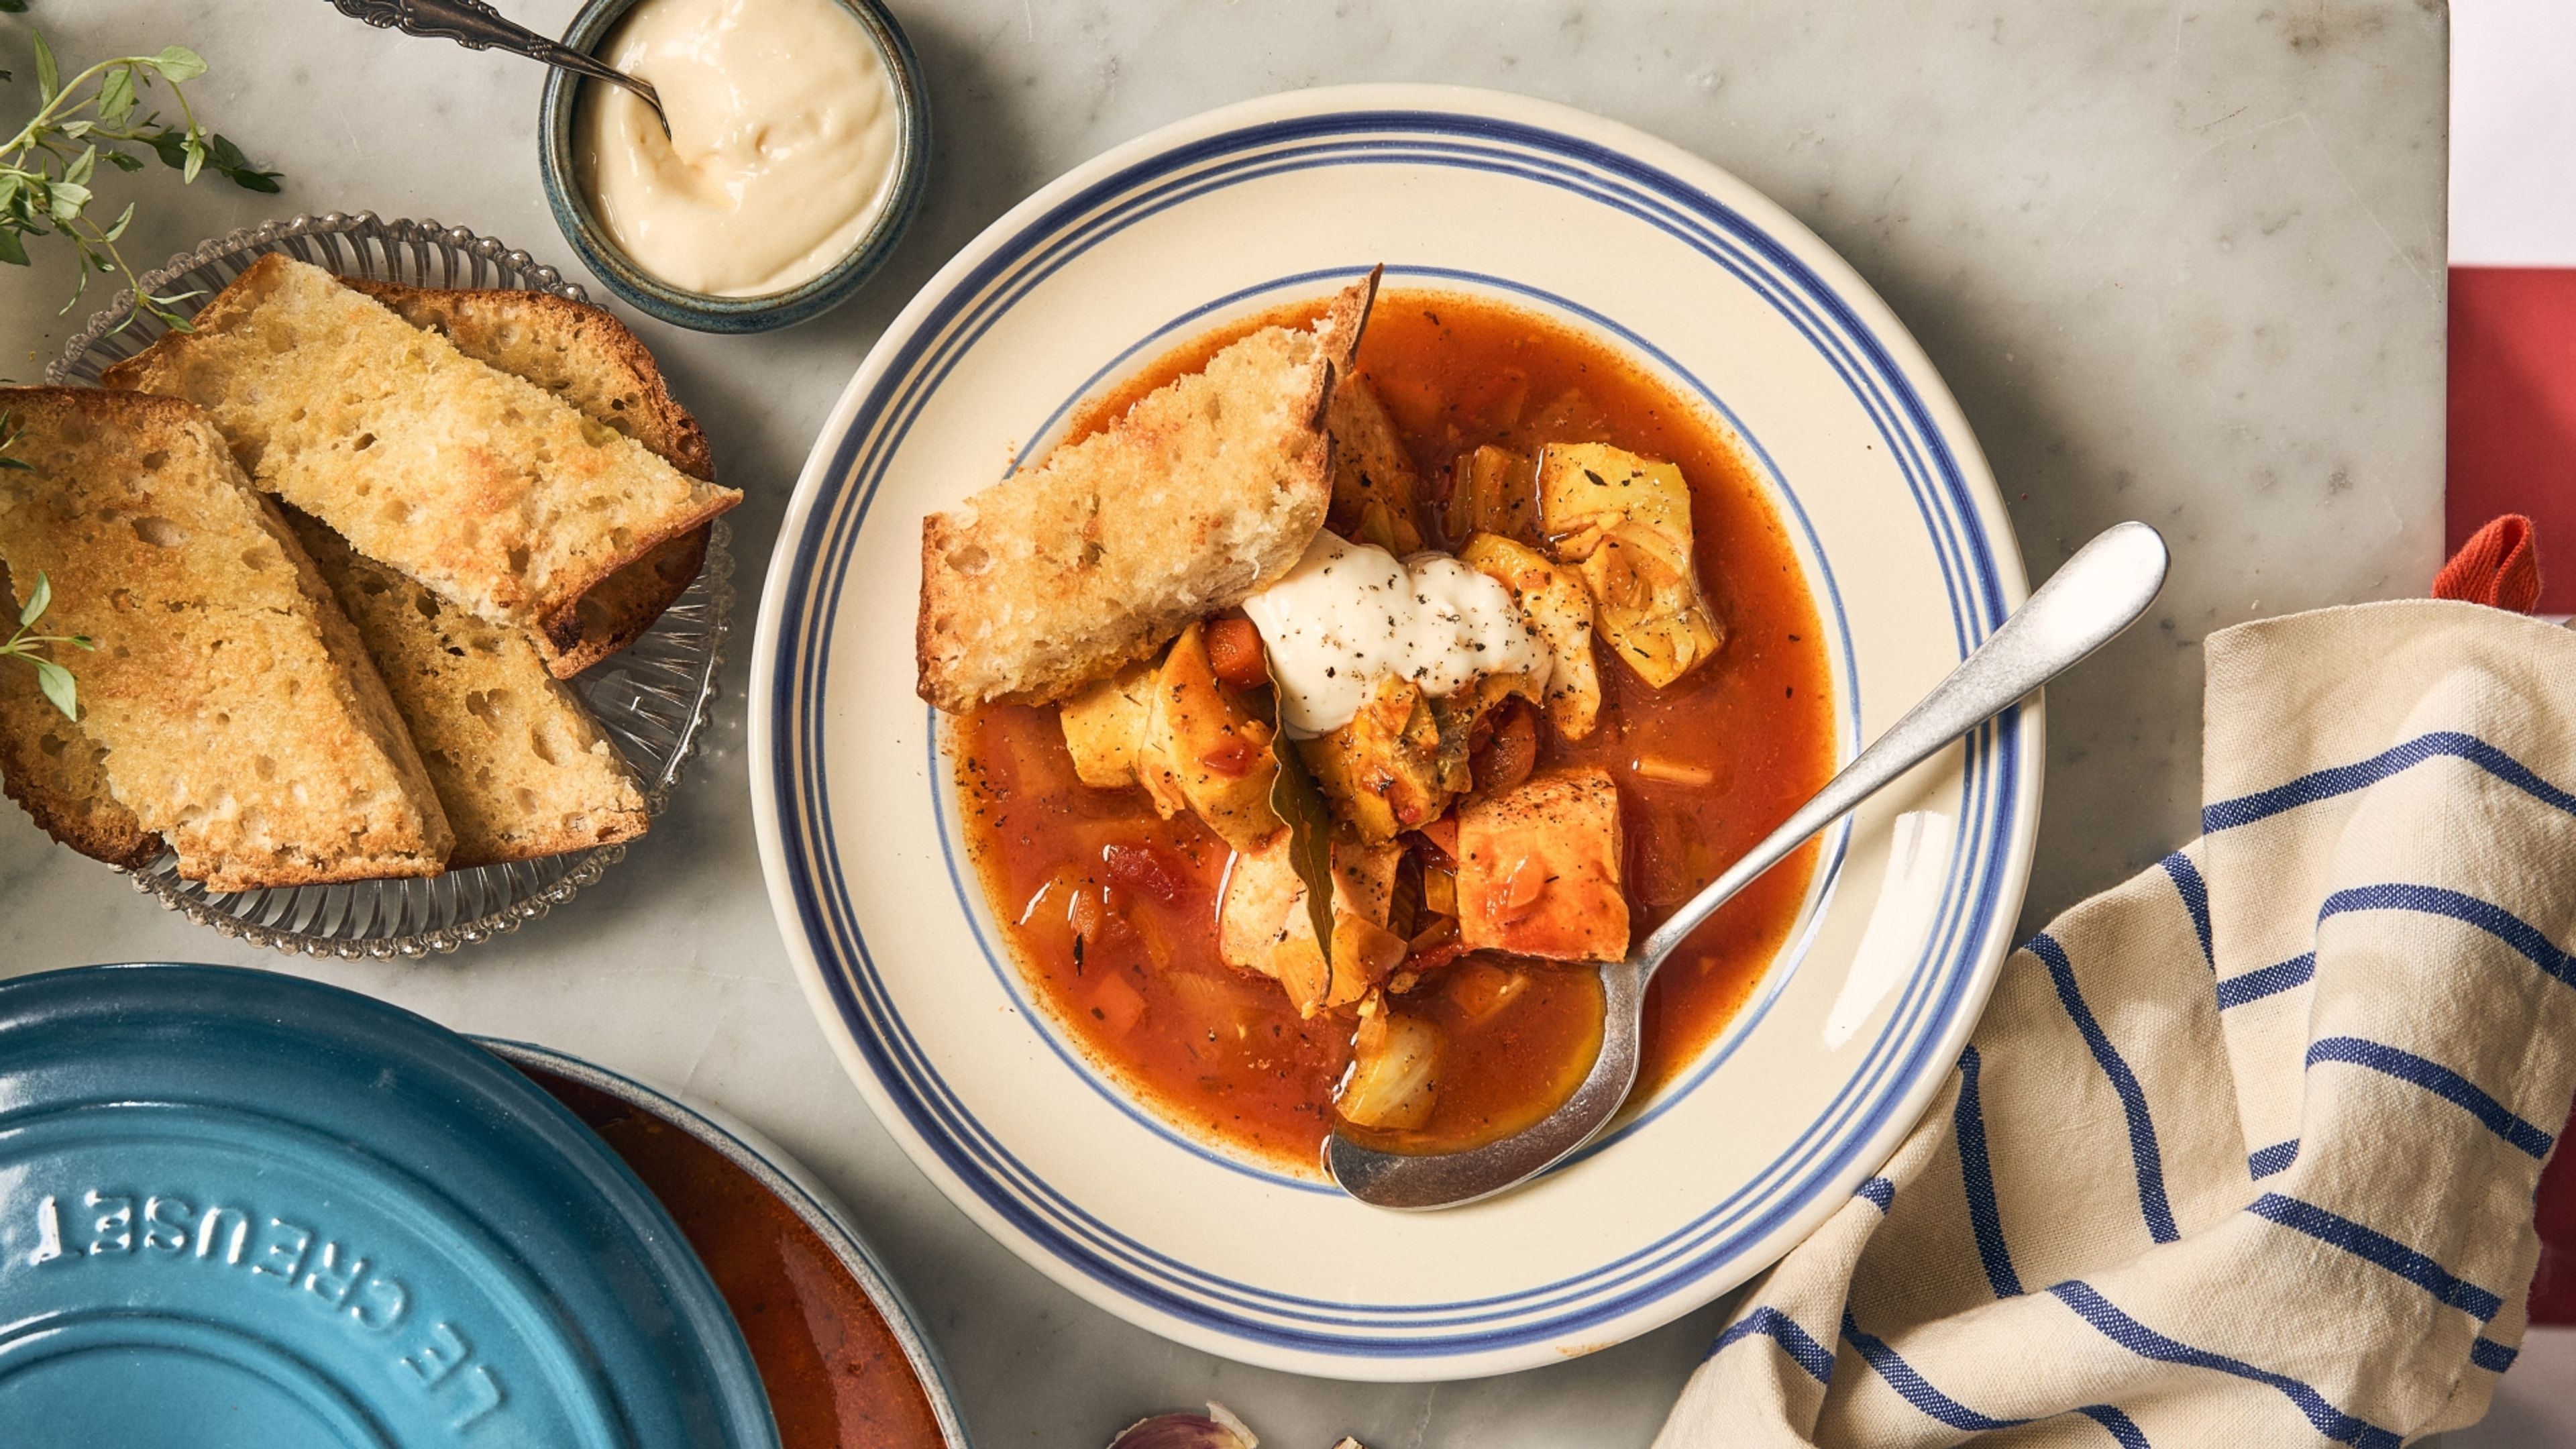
(264, 767)
(362, 442)
(160, 532)
(154, 460)
(488, 705)
(519, 559)
(544, 747)
(970, 560)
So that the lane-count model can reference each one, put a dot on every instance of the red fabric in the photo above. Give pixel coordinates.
(2500, 566)
(2513, 411)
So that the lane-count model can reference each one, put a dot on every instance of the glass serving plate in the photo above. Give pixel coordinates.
(654, 698)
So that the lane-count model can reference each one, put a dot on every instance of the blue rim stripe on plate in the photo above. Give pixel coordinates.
(1969, 905)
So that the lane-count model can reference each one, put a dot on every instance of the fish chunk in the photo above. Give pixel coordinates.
(1538, 869)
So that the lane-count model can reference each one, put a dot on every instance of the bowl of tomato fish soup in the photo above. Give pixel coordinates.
(1030, 977)
(1110, 911)
(841, 1356)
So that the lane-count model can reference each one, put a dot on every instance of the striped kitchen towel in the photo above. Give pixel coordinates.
(2243, 1151)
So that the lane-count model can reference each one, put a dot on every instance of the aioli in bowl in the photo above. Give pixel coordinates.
(782, 152)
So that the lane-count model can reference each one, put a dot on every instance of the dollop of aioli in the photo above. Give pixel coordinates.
(782, 144)
(1351, 614)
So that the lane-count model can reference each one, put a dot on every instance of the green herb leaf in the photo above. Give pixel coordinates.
(122, 161)
(39, 599)
(179, 65)
(82, 167)
(171, 146)
(116, 95)
(12, 250)
(195, 151)
(123, 219)
(64, 199)
(11, 7)
(228, 159)
(1295, 796)
(49, 76)
(56, 682)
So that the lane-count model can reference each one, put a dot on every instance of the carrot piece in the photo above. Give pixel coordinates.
(1234, 652)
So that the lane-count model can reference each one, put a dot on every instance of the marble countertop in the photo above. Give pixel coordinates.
(2180, 262)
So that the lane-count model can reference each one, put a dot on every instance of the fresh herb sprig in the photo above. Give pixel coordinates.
(47, 167)
(52, 678)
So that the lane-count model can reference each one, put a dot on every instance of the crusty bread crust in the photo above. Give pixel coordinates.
(587, 357)
(53, 769)
(1206, 491)
(241, 719)
(276, 358)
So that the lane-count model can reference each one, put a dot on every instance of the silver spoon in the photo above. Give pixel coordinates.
(2099, 592)
(477, 26)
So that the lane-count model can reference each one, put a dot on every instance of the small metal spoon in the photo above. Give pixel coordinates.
(2099, 592)
(477, 26)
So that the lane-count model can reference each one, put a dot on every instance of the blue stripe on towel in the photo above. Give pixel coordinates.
(2265, 981)
(2145, 1342)
(1878, 1190)
(1780, 1328)
(2272, 1161)
(2492, 1356)
(1901, 1377)
(2437, 1079)
(2195, 899)
(2344, 779)
(2375, 1247)
(2493, 919)
(1919, 1392)
(2133, 1098)
(1968, 1122)
(2124, 1430)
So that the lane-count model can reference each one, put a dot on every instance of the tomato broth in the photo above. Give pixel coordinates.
(1111, 911)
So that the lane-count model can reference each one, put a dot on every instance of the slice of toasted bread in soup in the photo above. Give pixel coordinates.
(587, 357)
(240, 717)
(481, 485)
(1207, 489)
(57, 773)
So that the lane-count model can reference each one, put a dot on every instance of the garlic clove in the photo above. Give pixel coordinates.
(1216, 1429)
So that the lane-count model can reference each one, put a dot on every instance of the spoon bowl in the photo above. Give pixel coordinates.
(2086, 604)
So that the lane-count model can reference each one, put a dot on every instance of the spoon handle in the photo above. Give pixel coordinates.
(2108, 584)
(475, 25)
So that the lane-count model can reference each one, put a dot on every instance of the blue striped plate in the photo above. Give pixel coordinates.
(1905, 547)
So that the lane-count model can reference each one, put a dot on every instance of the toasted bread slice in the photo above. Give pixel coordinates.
(519, 765)
(58, 774)
(587, 357)
(241, 719)
(1210, 487)
(481, 485)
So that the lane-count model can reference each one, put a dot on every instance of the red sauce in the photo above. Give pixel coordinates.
(836, 1375)
(1221, 1052)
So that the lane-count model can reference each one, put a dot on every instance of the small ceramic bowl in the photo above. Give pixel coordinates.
(699, 310)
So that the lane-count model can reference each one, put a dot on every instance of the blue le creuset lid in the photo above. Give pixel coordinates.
(239, 1210)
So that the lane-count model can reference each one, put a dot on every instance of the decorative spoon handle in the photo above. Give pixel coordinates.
(477, 26)
(2082, 607)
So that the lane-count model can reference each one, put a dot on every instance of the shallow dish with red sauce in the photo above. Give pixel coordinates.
(1327, 662)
